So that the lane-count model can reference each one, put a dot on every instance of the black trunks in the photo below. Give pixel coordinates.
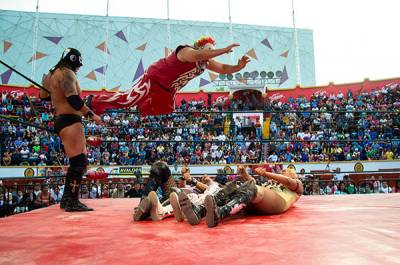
(65, 120)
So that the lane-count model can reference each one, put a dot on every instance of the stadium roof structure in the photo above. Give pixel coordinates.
(117, 50)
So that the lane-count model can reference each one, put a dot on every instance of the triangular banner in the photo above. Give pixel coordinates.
(7, 46)
(103, 47)
(91, 76)
(204, 82)
(266, 43)
(284, 76)
(101, 70)
(115, 89)
(37, 56)
(213, 76)
(120, 34)
(5, 77)
(142, 47)
(54, 40)
(285, 54)
(252, 54)
(139, 71)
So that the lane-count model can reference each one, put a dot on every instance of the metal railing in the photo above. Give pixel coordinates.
(266, 110)
(13, 205)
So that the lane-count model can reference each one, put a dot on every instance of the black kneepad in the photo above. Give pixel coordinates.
(78, 164)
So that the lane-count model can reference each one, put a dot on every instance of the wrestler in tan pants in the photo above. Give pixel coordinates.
(276, 197)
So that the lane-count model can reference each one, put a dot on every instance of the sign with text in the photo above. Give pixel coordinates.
(130, 170)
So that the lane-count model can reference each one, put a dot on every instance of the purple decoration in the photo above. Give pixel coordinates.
(101, 70)
(5, 77)
(139, 71)
(120, 34)
(266, 43)
(204, 82)
(284, 76)
(54, 40)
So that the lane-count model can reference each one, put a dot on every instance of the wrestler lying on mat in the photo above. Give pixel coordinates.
(274, 197)
(190, 205)
(173, 198)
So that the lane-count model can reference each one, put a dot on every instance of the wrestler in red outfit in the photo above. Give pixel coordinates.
(154, 93)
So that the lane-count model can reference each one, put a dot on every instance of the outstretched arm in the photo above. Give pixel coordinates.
(293, 184)
(227, 68)
(196, 183)
(190, 55)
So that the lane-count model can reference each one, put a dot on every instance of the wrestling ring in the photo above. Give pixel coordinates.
(319, 229)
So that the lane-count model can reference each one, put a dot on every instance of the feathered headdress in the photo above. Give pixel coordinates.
(203, 41)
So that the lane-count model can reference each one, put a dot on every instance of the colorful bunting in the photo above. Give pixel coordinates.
(285, 54)
(213, 76)
(54, 40)
(37, 56)
(142, 47)
(120, 34)
(284, 76)
(266, 43)
(252, 54)
(7, 46)
(91, 76)
(101, 70)
(139, 71)
(103, 47)
(204, 82)
(115, 89)
(5, 77)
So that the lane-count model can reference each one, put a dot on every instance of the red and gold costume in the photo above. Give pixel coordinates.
(154, 93)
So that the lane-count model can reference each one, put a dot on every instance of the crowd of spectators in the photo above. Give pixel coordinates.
(364, 135)
(300, 126)
(315, 186)
(19, 197)
(367, 134)
(22, 197)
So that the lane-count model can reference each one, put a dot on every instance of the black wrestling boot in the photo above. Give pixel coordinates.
(65, 200)
(224, 195)
(214, 213)
(193, 213)
(66, 196)
(72, 203)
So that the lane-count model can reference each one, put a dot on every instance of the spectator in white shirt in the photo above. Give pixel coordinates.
(56, 194)
(385, 188)
(273, 158)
